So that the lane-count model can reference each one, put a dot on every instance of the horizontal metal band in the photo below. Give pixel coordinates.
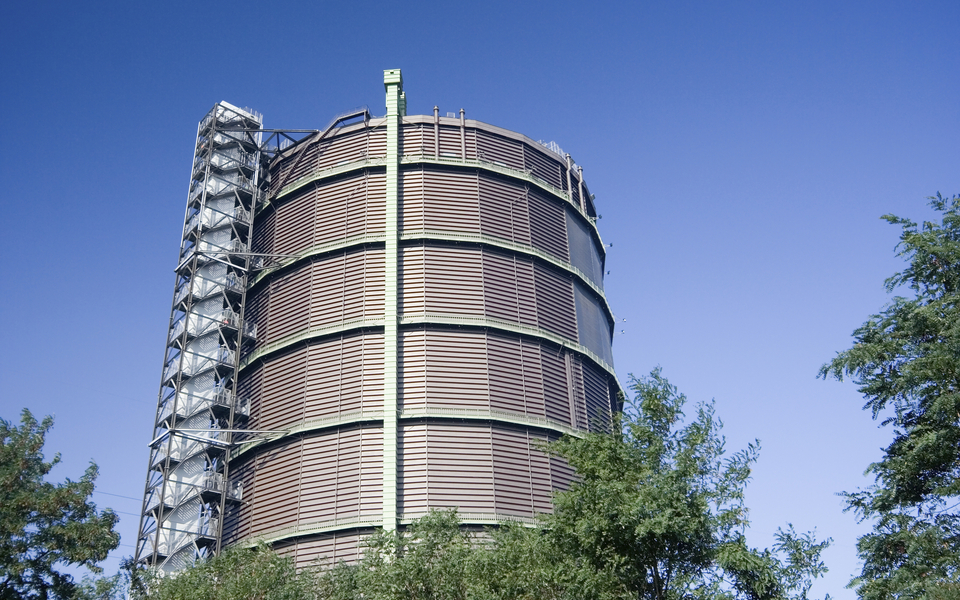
(495, 242)
(521, 174)
(355, 417)
(306, 334)
(426, 319)
(490, 323)
(340, 420)
(380, 161)
(333, 525)
(328, 173)
(334, 246)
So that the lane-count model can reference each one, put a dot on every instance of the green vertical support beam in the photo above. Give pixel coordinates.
(396, 107)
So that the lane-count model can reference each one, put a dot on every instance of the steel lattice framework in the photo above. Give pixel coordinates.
(198, 409)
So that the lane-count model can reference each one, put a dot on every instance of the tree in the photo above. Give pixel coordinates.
(44, 526)
(905, 360)
(433, 559)
(657, 512)
(237, 573)
(659, 509)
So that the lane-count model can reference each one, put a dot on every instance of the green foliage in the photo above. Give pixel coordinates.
(906, 363)
(659, 508)
(433, 559)
(44, 526)
(657, 512)
(235, 574)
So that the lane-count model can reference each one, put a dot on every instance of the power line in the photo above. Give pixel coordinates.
(117, 495)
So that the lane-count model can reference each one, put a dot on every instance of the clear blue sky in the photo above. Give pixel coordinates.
(741, 154)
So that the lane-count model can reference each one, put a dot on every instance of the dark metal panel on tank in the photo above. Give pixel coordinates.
(555, 304)
(416, 141)
(499, 150)
(548, 225)
(450, 142)
(555, 385)
(503, 209)
(451, 201)
(274, 498)
(340, 149)
(543, 166)
(597, 392)
(445, 465)
(342, 476)
(456, 370)
(341, 376)
(289, 304)
(412, 201)
(515, 483)
(327, 550)
(295, 224)
(282, 391)
(583, 249)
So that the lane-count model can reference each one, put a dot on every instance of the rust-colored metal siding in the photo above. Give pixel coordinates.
(503, 340)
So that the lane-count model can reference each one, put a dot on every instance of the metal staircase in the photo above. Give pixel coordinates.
(187, 486)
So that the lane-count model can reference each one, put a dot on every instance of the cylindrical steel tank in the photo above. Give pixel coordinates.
(430, 307)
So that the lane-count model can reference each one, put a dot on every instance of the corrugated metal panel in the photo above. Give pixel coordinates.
(505, 368)
(583, 249)
(294, 160)
(342, 475)
(257, 311)
(411, 281)
(470, 140)
(501, 298)
(561, 474)
(415, 142)
(282, 396)
(250, 386)
(326, 550)
(540, 476)
(520, 490)
(295, 224)
(555, 303)
(263, 231)
(411, 201)
(274, 498)
(443, 465)
(533, 386)
(377, 142)
(338, 150)
(451, 277)
(503, 209)
(543, 166)
(555, 387)
(597, 392)
(375, 206)
(526, 291)
(451, 201)
(412, 369)
(578, 408)
(498, 149)
(456, 370)
(340, 209)
(238, 517)
(344, 374)
(347, 286)
(548, 225)
(450, 142)
(332, 475)
(289, 304)
(593, 324)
